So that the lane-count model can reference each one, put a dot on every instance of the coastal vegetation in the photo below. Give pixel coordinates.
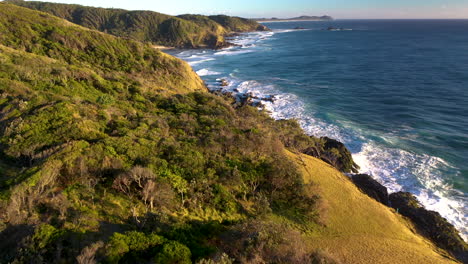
(186, 31)
(105, 151)
(114, 152)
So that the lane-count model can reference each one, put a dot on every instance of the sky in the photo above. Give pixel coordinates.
(340, 9)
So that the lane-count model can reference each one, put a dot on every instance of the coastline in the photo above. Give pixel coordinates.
(160, 47)
(123, 153)
(234, 88)
(429, 224)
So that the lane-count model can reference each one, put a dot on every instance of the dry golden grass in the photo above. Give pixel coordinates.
(357, 228)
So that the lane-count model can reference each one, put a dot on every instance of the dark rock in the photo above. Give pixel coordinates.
(243, 99)
(269, 98)
(431, 224)
(336, 154)
(262, 28)
(314, 151)
(371, 187)
(299, 28)
(223, 82)
(233, 34)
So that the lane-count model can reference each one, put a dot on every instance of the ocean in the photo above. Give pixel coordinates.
(394, 91)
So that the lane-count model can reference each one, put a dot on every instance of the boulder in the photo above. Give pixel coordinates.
(268, 98)
(332, 152)
(262, 28)
(371, 187)
(223, 82)
(336, 154)
(430, 224)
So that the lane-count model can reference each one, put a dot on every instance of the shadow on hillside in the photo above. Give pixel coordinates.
(11, 240)
(16, 243)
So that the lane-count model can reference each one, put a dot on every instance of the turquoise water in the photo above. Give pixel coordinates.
(395, 92)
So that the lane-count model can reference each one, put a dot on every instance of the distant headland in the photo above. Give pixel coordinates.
(301, 18)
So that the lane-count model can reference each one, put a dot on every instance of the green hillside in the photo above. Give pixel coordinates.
(238, 24)
(147, 26)
(100, 157)
(114, 152)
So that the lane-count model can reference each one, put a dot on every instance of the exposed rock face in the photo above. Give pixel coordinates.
(223, 82)
(262, 28)
(334, 153)
(371, 187)
(430, 224)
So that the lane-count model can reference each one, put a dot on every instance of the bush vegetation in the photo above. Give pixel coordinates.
(186, 31)
(108, 153)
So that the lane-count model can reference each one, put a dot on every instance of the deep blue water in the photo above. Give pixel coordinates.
(394, 91)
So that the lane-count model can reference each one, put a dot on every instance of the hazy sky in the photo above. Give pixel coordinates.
(288, 8)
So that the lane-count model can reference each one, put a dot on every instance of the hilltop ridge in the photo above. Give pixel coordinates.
(112, 151)
(186, 31)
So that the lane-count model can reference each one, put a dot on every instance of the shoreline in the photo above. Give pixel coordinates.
(257, 100)
(429, 224)
(160, 47)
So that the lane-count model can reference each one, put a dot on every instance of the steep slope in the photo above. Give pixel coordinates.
(113, 152)
(114, 63)
(238, 24)
(108, 154)
(148, 26)
(357, 228)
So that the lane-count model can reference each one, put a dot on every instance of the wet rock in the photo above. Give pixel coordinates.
(298, 28)
(223, 82)
(371, 187)
(430, 224)
(262, 28)
(268, 98)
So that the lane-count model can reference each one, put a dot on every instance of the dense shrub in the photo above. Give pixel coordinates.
(173, 253)
(186, 31)
(99, 136)
(131, 246)
(259, 241)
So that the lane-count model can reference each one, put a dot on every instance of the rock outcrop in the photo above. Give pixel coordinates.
(334, 153)
(371, 187)
(430, 224)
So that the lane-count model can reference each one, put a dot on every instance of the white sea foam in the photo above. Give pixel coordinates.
(232, 52)
(400, 170)
(397, 169)
(206, 72)
(196, 62)
(290, 30)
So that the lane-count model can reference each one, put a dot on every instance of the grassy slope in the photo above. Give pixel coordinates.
(359, 229)
(160, 29)
(129, 61)
(67, 135)
(90, 126)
